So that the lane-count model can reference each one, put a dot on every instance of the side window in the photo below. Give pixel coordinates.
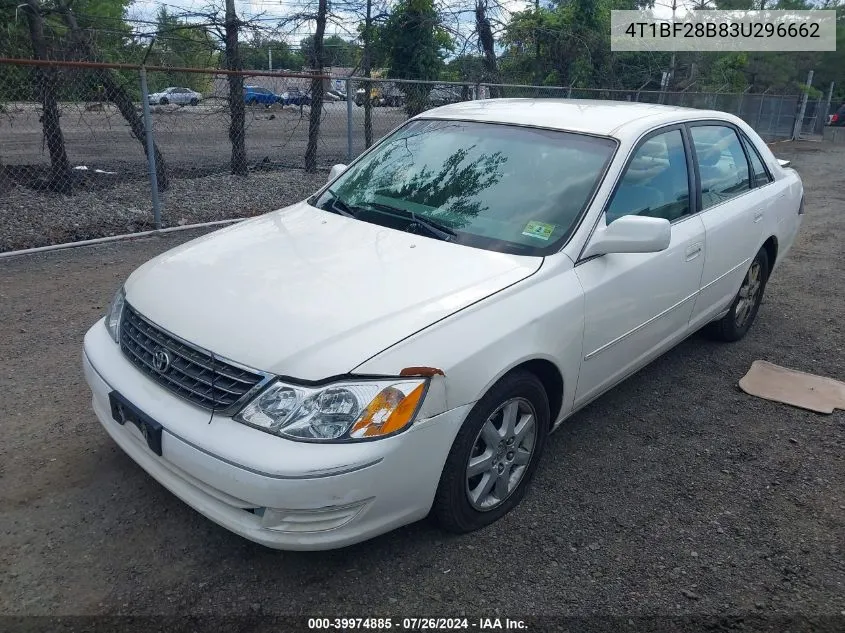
(655, 182)
(721, 164)
(759, 172)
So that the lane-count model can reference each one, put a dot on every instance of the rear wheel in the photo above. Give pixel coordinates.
(494, 455)
(736, 323)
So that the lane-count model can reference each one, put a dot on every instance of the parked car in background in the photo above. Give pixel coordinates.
(381, 95)
(256, 95)
(837, 119)
(402, 343)
(176, 95)
(295, 97)
(444, 96)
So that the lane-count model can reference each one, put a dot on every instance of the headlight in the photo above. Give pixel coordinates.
(114, 313)
(341, 412)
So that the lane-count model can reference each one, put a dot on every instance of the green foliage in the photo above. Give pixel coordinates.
(254, 54)
(464, 68)
(181, 44)
(412, 42)
(336, 52)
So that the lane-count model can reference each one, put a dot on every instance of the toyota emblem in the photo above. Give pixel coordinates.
(161, 361)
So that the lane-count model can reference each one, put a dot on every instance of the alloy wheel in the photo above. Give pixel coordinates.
(749, 292)
(501, 453)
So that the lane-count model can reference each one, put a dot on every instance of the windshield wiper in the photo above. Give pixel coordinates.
(336, 205)
(435, 229)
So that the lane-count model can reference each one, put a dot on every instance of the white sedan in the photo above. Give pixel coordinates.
(402, 343)
(175, 95)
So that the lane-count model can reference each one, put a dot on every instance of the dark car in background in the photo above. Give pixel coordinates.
(295, 97)
(837, 119)
(444, 96)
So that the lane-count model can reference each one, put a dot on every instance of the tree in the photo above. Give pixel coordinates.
(236, 92)
(336, 51)
(485, 40)
(45, 77)
(415, 43)
(256, 54)
(318, 62)
(182, 44)
(114, 90)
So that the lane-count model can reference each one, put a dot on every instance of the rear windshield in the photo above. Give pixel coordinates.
(498, 187)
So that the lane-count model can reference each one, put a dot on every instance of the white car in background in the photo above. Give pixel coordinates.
(175, 95)
(402, 343)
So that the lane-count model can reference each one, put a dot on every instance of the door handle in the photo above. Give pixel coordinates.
(693, 251)
(758, 215)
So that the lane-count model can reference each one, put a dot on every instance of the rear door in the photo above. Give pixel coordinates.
(733, 212)
(639, 304)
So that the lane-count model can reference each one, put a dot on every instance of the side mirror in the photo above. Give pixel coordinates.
(631, 234)
(784, 163)
(336, 171)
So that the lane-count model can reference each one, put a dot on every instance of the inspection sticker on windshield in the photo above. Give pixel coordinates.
(540, 230)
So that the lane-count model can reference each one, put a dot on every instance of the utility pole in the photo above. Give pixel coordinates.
(270, 59)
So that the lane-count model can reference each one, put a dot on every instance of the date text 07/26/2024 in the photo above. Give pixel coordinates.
(417, 624)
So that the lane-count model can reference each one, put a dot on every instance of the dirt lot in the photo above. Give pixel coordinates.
(673, 494)
(112, 194)
(189, 138)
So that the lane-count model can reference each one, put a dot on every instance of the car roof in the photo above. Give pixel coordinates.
(605, 118)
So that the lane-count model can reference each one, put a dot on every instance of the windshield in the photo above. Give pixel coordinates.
(499, 187)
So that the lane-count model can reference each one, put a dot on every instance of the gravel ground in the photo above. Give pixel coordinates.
(673, 495)
(29, 218)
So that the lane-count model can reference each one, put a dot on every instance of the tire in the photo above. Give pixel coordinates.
(453, 508)
(195, 102)
(163, 101)
(739, 319)
(250, 102)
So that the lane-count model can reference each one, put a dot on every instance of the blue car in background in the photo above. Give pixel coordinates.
(253, 95)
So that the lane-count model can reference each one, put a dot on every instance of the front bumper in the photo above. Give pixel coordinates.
(277, 492)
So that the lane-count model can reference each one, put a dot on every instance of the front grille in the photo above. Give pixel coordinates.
(193, 373)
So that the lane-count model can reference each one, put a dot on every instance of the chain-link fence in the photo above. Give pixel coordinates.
(97, 132)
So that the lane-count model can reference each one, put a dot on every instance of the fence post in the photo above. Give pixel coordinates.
(799, 120)
(820, 127)
(151, 157)
(760, 113)
(349, 98)
(780, 114)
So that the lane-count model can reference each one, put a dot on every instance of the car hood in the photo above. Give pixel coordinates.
(309, 294)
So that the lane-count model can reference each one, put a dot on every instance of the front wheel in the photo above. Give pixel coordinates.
(163, 101)
(195, 101)
(494, 455)
(736, 323)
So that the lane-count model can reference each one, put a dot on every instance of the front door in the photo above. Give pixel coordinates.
(639, 304)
